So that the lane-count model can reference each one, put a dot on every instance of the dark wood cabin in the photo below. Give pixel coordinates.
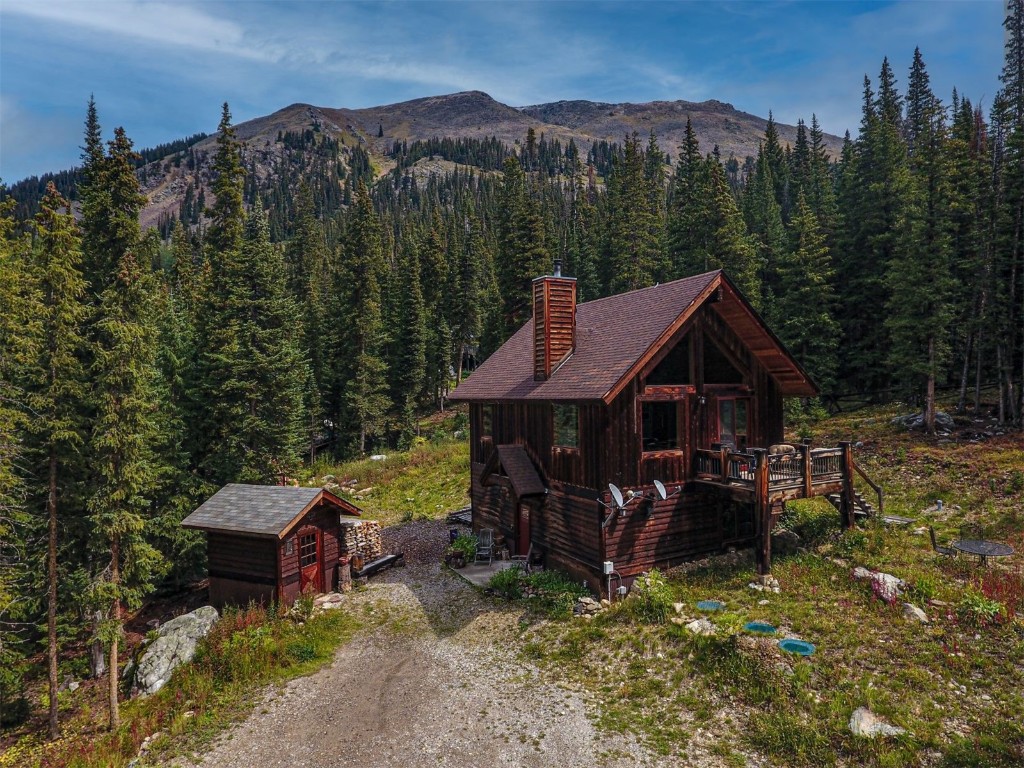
(268, 543)
(681, 382)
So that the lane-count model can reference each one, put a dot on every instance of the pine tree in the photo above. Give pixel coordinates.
(227, 214)
(522, 254)
(764, 223)
(56, 384)
(806, 301)
(123, 434)
(410, 362)
(364, 371)
(634, 218)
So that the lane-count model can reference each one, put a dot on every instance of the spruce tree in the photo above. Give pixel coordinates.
(56, 385)
(635, 225)
(123, 435)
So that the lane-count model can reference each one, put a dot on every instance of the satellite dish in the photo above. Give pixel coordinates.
(617, 495)
(660, 486)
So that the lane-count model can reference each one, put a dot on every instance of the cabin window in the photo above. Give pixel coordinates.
(486, 420)
(660, 426)
(566, 426)
(307, 550)
(732, 421)
(717, 367)
(674, 369)
(289, 546)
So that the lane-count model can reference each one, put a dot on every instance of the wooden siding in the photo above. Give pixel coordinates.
(554, 327)
(675, 530)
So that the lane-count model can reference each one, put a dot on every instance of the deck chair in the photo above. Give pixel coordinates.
(523, 561)
(485, 545)
(945, 551)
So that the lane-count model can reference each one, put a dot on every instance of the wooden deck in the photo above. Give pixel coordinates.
(767, 480)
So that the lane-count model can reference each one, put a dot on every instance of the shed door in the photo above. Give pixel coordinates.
(310, 555)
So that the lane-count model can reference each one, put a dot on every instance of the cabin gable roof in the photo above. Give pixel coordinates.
(261, 510)
(616, 336)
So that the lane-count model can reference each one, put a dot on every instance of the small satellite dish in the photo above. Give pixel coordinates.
(617, 495)
(660, 486)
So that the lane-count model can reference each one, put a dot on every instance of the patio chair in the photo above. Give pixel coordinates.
(523, 561)
(485, 545)
(945, 551)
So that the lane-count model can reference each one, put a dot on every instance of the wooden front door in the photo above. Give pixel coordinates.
(310, 560)
(523, 529)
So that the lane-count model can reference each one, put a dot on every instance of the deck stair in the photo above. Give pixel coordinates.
(862, 508)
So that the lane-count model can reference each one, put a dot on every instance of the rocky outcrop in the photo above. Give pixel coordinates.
(174, 645)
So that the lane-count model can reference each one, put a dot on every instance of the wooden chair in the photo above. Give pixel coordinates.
(485, 545)
(945, 551)
(523, 561)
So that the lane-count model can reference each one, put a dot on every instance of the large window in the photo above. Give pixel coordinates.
(567, 426)
(660, 426)
(717, 367)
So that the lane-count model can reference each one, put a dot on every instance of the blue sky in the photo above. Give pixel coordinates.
(162, 69)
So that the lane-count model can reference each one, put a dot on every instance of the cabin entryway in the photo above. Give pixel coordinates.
(310, 549)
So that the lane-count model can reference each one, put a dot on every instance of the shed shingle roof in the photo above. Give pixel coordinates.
(260, 510)
(613, 336)
(520, 470)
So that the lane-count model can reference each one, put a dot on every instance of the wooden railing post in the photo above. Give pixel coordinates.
(725, 464)
(762, 512)
(805, 450)
(847, 504)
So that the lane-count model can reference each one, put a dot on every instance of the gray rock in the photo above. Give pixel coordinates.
(175, 645)
(943, 421)
(785, 543)
(889, 587)
(912, 613)
(864, 723)
(701, 627)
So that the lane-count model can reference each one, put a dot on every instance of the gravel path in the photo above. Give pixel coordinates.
(437, 683)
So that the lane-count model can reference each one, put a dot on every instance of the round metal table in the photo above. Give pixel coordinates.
(982, 548)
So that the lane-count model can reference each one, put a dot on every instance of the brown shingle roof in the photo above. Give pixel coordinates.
(614, 336)
(520, 470)
(260, 510)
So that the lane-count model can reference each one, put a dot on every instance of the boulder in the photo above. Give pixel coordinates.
(785, 543)
(864, 723)
(912, 613)
(175, 645)
(701, 627)
(943, 421)
(887, 586)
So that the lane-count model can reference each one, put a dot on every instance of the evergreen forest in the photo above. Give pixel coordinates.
(323, 307)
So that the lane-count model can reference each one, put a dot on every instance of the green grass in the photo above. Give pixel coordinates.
(425, 482)
(956, 684)
(246, 650)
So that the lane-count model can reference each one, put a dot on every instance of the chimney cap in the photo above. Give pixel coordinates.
(558, 268)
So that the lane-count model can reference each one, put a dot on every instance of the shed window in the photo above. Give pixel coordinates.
(660, 426)
(307, 550)
(567, 426)
(289, 546)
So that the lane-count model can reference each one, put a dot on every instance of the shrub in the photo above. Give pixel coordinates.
(466, 544)
(508, 583)
(651, 598)
(557, 591)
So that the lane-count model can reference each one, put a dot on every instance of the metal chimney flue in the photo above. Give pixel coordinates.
(558, 268)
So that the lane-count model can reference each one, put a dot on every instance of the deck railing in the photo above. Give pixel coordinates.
(785, 471)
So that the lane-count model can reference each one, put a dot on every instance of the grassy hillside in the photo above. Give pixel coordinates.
(955, 684)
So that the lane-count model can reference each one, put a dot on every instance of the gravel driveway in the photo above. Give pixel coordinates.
(438, 683)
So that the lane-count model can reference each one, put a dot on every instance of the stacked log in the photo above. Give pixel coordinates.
(361, 537)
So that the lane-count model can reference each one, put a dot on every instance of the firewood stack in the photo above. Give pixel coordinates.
(361, 537)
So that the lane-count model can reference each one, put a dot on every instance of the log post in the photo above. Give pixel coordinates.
(847, 503)
(805, 451)
(725, 464)
(762, 512)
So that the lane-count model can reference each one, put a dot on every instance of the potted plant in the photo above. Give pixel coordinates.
(461, 551)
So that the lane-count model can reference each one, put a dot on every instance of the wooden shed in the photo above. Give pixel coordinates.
(270, 543)
(680, 383)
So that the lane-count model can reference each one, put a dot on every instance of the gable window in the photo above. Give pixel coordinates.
(718, 369)
(660, 426)
(566, 426)
(674, 369)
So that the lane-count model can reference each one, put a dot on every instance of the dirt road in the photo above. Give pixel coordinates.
(437, 683)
